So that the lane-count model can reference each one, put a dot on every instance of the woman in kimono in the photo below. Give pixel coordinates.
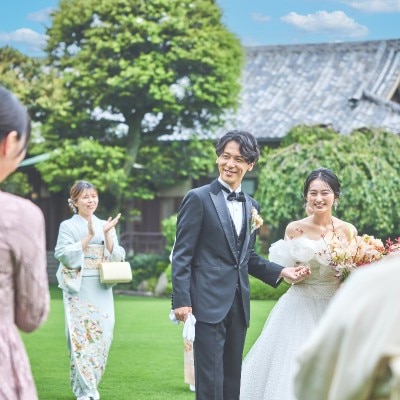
(24, 291)
(83, 242)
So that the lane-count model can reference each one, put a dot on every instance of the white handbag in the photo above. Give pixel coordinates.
(115, 272)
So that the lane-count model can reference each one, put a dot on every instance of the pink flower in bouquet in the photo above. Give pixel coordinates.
(368, 249)
(392, 246)
(361, 250)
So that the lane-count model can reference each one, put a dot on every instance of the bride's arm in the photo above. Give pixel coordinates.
(347, 230)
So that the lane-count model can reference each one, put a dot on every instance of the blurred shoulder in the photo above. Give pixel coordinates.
(22, 209)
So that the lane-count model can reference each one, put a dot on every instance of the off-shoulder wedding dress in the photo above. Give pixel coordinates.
(268, 369)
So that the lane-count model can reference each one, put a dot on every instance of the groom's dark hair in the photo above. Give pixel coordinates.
(248, 145)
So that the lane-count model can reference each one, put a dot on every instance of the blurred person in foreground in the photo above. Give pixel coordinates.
(354, 353)
(24, 291)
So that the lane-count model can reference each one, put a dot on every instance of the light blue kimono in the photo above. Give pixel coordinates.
(88, 304)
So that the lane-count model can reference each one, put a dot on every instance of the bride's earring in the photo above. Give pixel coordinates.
(335, 204)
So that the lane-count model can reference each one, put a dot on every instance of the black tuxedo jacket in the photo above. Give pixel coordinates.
(205, 266)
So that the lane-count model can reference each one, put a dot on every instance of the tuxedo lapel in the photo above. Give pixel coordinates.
(223, 215)
(246, 219)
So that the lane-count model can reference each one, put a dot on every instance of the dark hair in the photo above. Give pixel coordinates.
(325, 175)
(248, 145)
(13, 117)
(76, 190)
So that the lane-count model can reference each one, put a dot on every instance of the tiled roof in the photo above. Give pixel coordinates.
(344, 85)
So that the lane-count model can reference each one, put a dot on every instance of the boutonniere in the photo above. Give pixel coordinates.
(256, 221)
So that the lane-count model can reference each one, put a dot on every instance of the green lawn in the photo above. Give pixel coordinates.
(146, 357)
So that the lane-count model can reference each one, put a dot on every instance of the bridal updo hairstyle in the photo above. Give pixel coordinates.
(76, 191)
(325, 175)
(248, 145)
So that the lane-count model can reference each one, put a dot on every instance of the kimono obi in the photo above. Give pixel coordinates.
(93, 256)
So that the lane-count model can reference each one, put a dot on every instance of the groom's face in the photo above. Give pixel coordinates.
(232, 166)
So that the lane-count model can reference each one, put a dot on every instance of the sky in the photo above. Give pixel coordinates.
(255, 22)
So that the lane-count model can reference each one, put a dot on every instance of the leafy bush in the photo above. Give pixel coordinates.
(261, 291)
(168, 272)
(147, 267)
(168, 230)
(18, 184)
(366, 162)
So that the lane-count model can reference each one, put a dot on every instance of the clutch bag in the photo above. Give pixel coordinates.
(115, 272)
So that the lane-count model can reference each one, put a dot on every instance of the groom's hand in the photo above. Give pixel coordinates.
(295, 274)
(182, 313)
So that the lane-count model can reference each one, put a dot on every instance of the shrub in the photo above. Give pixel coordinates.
(147, 267)
(261, 291)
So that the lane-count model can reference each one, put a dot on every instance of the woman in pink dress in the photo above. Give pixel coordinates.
(24, 292)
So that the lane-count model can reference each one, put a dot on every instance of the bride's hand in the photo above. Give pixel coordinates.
(295, 274)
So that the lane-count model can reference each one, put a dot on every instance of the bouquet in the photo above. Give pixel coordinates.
(392, 246)
(361, 250)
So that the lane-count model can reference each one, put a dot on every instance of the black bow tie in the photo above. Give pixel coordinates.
(233, 195)
(237, 196)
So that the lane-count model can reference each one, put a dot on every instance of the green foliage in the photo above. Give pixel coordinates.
(36, 85)
(169, 162)
(161, 64)
(20, 74)
(261, 291)
(367, 163)
(169, 230)
(147, 267)
(304, 134)
(156, 66)
(89, 160)
(17, 183)
(168, 272)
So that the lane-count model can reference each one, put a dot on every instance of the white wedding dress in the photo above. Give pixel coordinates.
(268, 369)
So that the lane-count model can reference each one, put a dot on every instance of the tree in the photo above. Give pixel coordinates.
(35, 84)
(174, 162)
(17, 183)
(29, 80)
(367, 164)
(20, 74)
(160, 64)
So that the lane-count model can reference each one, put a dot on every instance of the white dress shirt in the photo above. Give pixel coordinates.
(235, 207)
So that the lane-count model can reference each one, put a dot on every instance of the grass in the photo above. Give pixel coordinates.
(145, 360)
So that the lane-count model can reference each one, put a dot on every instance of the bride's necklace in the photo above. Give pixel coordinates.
(327, 229)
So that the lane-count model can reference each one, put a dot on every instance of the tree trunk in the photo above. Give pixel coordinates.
(133, 142)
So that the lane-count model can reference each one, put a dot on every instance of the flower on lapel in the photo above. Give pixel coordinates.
(256, 221)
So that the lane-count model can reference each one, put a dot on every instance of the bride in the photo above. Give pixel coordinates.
(268, 369)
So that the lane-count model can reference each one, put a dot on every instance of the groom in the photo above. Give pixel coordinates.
(212, 257)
